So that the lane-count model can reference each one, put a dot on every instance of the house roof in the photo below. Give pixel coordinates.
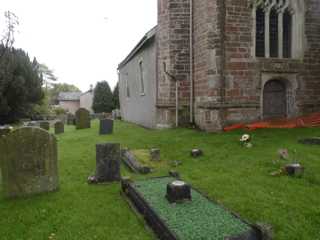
(146, 38)
(69, 96)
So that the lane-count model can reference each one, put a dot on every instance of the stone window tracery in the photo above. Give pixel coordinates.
(279, 28)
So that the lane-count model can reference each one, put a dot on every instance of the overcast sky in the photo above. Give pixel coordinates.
(82, 41)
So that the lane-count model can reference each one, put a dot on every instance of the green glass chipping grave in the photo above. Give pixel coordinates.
(191, 220)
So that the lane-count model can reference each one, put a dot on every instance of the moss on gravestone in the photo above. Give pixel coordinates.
(29, 162)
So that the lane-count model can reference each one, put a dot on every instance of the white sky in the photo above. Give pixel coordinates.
(82, 41)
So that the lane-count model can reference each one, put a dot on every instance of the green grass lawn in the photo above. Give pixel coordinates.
(234, 176)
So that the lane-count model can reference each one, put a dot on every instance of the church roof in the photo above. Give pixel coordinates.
(69, 96)
(146, 38)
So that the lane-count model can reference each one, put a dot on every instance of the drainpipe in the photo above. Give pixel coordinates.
(177, 92)
(191, 64)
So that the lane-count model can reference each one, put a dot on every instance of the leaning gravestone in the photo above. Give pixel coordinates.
(45, 125)
(29, 162)
(58, 127)
(108, 162)
(106, 126)
(82, 119)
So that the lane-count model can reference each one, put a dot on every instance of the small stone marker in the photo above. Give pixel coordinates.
(29, 162)
(155, 154)
(294, 170)
(178, 191)
(106, 126)
(196, 153)
(108, 162)
(45, 125)
(58, 127)
(83, 119)
(5, 130)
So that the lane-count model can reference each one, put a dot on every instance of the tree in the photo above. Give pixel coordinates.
(102, 100)
(20, 85)
(115, 97)
(47, 75)
(8, 37)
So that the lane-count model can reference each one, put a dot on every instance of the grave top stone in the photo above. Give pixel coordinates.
(29, 163)
(83, 119)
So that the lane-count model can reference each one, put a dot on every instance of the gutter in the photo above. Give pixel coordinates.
(191, 64)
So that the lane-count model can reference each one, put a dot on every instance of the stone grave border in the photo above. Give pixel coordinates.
(141, 207)
(132, 163)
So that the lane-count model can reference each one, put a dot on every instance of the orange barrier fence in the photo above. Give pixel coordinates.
(312, 120)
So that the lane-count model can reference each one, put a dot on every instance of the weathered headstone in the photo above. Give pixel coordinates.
(58, 127)
(29, 162)
(108, 162)
(83, 119)
(155, 154)
(106, 126)
(45, 125)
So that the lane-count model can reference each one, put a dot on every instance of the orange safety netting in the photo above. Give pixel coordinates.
(312, 120)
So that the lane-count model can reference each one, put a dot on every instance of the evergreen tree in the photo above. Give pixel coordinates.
(115, 97)
(102, 100)
(20, 85)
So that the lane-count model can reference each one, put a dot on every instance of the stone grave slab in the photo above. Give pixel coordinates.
(58, 127)
(29, 162)
(197, 218)
(106, 126)
(83, 119)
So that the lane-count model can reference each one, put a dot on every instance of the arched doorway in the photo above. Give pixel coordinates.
(274, 99)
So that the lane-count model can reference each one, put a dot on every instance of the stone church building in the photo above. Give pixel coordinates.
(217, 62)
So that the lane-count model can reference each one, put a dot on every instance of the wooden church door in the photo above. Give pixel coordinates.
(274, 100)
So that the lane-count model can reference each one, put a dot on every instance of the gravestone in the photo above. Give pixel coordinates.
(108, 162)
(83, 119)
(106, 126)
(58, 127)
(71, 119)
(29, 162)
(45, 125)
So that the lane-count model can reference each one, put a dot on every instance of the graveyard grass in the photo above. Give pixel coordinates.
(237, 177)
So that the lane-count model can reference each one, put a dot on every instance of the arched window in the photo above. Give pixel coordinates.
(260, 32)
(274, 33)
(275, 26)
(287, 34)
